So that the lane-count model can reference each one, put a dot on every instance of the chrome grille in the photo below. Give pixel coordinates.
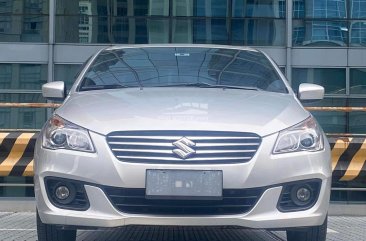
(158, 146)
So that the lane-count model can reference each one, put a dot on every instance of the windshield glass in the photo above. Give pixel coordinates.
(182, 67)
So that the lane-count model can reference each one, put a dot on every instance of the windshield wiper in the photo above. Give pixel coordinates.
(239, 87)
(102, 87)
(207, 85)
(201, 85)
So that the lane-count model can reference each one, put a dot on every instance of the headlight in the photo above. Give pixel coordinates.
(306, 136)
(61, 134)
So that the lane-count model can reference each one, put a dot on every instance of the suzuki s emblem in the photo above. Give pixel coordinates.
(184, 144)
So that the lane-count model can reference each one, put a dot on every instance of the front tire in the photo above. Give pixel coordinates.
(49, 232)
(317, 233)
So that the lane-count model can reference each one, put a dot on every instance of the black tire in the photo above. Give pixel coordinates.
(316, 233)
(48, 232)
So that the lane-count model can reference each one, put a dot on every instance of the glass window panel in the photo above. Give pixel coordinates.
(67, 29)
(6, 7)
(31, 76)
(182, 31)
(183, 8)
(213, 31)
(23, 76)
(22, 118)
(5, 76)
(157, 31)
(259, 32)
(357, 81)
(150, 8)
(357, 33)
(114, 30)
(252, 8)
(121, 27)
(113, 8)
(298, 8)
(35, 6)
(331, 122)
(333, 80)
(24, 7)
(320, 8)
(23, 28)
(202, 8)
(348, 197)
(358, 9)
(67, 73)
(16, 191)
(357, 119)
(72, 7)
(283, 70)
(320, 33)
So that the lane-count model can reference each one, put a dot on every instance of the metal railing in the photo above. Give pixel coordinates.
(55, 105)
(16, 185)
(30, 105)
(340, 109)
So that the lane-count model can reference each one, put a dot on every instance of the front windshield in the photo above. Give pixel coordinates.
(183, 67)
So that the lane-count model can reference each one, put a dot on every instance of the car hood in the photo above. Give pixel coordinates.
(260, 112)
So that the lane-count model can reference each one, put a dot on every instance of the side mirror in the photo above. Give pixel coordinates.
(54, 91)
(310, 92)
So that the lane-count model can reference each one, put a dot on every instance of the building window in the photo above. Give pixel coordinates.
(358, 9)
(331, 122)
(20, 118)
(341, 122)
(298, 9)
(258, 32)
(5, 76)
(24, 21)
(244, 22)
(254, 8)
(358, 33)
(358, 81)
(320, 23)
(333, 79)
(210, 31)
(18, 79)
(326, 9)
(67, 73)
(31, 76)
(17, 191)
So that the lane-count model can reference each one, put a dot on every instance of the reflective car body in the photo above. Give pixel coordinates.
(146, 110)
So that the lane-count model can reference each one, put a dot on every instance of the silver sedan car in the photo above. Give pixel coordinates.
(189, 135)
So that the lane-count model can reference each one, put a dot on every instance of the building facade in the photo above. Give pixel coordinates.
(314, 41)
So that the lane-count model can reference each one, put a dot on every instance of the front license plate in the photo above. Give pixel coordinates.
(184, 184)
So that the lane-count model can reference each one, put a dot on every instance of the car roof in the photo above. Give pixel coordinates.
(245, 48)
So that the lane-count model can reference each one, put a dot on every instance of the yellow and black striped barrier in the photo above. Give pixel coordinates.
(16, 153)
(348, 159)
(348, 156)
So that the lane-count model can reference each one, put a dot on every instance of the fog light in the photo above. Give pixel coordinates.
(299, 195)
(62, 192)
(303, 194)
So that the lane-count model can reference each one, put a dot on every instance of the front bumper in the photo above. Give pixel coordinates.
(102, 168)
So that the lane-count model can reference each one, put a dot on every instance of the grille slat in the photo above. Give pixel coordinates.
(133, 200)
(169, 151)
(206, 147)
(142, 158)
(193, 138)
(170, 144)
